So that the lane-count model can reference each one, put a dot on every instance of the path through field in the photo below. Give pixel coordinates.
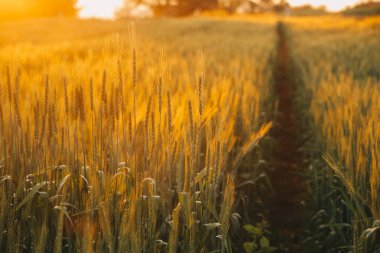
(285, 211)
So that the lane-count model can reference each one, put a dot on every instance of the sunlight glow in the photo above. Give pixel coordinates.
(332, 5)
(99, 8)
(106, 8)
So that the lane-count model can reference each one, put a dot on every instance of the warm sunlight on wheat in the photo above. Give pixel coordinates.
(189, 126)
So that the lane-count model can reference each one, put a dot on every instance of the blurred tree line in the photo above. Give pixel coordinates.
(188, 7)
(364, 8)
(18, 9)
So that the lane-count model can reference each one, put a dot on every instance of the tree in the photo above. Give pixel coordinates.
(230, 5)
(187, 7)
(170, 7)
(281, 6)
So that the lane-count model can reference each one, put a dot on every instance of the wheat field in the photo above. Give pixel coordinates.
(243, 133)
(340, 78)
(129, 141)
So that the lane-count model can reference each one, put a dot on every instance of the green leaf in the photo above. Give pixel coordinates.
(249, 247)
(270, 249)
(264, 242)
(31, 194)
(253, 230)
(62, 183)
(368, 233)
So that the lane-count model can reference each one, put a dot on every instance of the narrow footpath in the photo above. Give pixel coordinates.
(286, 209)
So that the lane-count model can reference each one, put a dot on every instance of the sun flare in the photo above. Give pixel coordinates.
(99, 8)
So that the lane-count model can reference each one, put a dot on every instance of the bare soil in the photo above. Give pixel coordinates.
(286, 205)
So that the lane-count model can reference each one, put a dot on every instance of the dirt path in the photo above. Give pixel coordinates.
(285, 211)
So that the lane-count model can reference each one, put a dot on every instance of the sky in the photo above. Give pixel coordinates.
(106, 8)
(332, 5)
(99, 8)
